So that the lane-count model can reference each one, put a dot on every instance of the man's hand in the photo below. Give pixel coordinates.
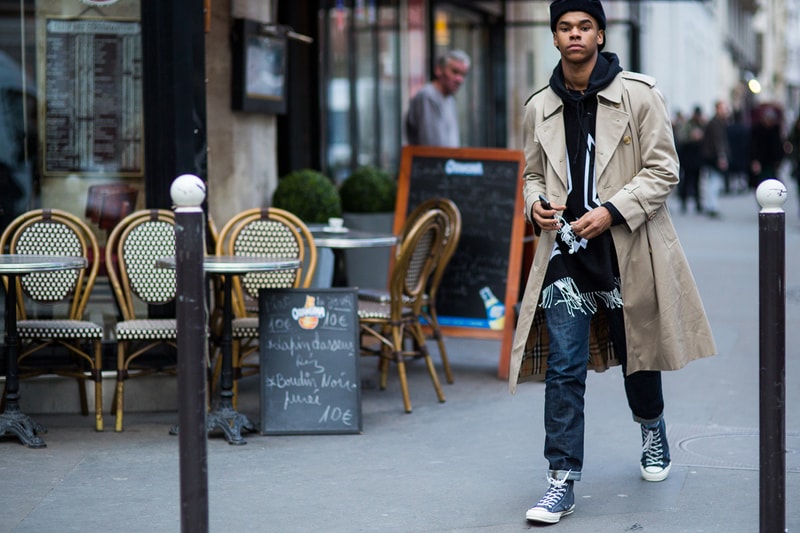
(592, 224)
(545, 217)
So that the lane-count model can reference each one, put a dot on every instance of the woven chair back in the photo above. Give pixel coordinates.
(53, 232)
(133, 248)
(268, 232)
(418, 255)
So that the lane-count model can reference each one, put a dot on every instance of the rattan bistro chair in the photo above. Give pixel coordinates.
(390, 322)
(51, 305)
(262, 232)
(138, 241)
(449, 245)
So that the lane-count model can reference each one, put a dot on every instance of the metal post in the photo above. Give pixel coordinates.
(771, 195)
(188, 192)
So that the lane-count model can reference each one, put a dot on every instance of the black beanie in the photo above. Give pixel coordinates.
(593, 7)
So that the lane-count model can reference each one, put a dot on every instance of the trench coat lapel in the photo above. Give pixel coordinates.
(552, 136)
(612, 121)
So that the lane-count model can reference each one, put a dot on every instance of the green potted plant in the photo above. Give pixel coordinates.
(313, 197)
(368, 190)
(368, 200)
(309, 194)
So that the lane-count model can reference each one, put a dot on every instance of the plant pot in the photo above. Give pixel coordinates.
(368, 268)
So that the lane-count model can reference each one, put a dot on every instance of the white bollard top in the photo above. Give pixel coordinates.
(771, 195)
(188, 191)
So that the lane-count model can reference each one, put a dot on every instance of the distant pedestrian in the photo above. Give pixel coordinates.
(766, 145)
(609, 282)
(793, 149)
(690, 152)
(716, 152)
(432, 117)
(737, 178)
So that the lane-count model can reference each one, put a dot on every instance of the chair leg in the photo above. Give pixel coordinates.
(416, 331)
(119, 395)
(82, 395)
(98, 385)
(434, 378)
(383, 366)
(74, 347)
(401, 372)
(437, 334)
(397, 355)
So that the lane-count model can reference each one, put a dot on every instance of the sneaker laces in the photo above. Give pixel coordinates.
(653, 447)
(556, 491)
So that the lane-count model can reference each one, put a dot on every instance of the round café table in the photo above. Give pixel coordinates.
(347, 239)
(13, 420)
(223, 416)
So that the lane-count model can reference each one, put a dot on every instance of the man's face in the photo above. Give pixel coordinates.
(578, 37)
(452, 76)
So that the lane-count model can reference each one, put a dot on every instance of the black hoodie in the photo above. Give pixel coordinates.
(591, 269)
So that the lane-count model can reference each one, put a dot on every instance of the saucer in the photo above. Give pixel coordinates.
(331, 229)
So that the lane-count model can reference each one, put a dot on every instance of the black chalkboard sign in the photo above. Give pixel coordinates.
(309, 357)
(482, 279)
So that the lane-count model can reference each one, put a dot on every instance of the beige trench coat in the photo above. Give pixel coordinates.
(665, 323)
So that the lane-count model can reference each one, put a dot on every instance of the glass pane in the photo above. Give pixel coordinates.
(389, 104)
(460, 29)
(336, 83)
(365, 83)
(19, 178)
(361, 86)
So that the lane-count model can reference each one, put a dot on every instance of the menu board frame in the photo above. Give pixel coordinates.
(86, 130)
(309, 356)
(478, 180)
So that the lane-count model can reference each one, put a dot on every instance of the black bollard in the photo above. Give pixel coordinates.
(771, 195)
(188, 192)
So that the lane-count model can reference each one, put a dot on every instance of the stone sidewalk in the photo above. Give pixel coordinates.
(472, 464)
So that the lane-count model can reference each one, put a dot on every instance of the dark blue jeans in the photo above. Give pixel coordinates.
(565, 384)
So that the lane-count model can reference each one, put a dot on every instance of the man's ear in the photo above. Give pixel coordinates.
(601, 37)
(555, 40)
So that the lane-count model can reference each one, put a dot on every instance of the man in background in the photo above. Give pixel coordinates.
(432, 117)
(716, 152)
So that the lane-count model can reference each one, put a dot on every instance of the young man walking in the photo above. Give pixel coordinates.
(609, 282)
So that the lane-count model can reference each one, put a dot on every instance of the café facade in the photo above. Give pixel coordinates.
(103, 96)
(105, 102)
(240, 92)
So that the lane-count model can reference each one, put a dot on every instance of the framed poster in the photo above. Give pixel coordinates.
(259, 68)
(481, 284)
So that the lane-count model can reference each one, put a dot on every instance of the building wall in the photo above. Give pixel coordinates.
(242, 162)
(697, 51)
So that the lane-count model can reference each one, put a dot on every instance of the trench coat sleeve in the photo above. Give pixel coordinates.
(647, 191)
(533, 176)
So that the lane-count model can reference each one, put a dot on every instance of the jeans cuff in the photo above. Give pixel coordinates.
(569, 475)
(648, 421)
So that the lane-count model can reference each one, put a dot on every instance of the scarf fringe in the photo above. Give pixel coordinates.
(565, 291)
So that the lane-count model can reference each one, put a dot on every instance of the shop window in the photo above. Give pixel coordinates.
(361, 85)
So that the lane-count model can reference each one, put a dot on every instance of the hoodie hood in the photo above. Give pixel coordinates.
(605, 70)
(581, 107)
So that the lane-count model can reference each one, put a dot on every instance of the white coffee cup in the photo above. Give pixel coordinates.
(336, 223)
